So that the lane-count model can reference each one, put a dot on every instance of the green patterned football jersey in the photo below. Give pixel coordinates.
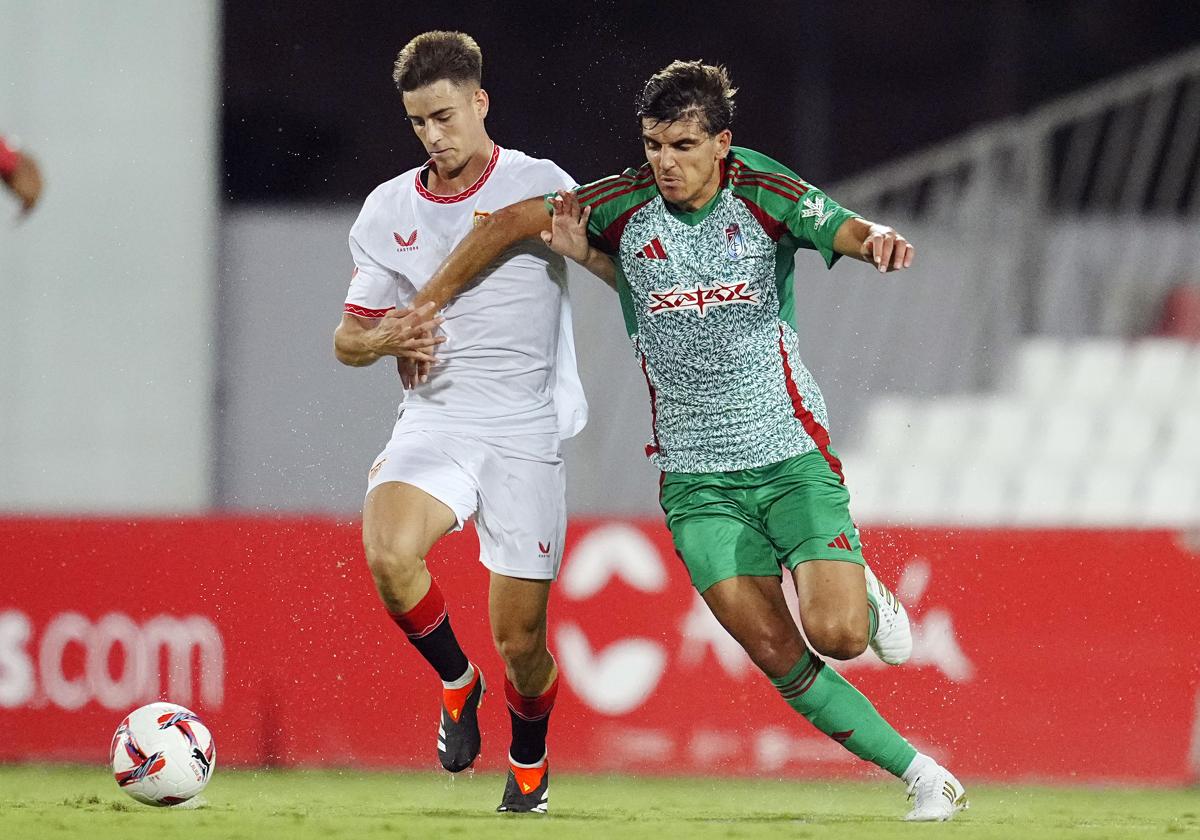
(709, 306)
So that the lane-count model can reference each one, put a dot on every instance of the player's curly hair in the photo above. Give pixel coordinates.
(432, 56)
(686, 90)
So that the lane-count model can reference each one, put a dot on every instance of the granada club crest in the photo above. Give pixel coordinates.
(735, 243)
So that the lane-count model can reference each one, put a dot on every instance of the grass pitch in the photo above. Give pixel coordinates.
(84, 802)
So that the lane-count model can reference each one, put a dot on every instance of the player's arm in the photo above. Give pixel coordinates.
(403, 333)
(491, 238)
(874, 243)
(482, 246)
(568, 236)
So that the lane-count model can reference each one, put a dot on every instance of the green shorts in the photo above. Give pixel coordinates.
(755, 521)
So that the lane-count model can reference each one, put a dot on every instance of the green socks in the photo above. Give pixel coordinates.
(839, 710)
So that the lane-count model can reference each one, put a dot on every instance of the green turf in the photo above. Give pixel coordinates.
(84, 802)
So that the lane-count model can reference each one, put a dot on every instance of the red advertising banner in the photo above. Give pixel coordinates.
(1054, 655)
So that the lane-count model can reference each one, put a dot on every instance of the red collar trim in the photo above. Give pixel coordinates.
(465, 194)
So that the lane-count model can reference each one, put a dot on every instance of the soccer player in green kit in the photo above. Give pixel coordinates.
(700, 243)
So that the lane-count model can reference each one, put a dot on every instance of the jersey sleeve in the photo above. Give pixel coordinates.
(549, 178)
(786, 205)
(373, 288)
(612, 201)
(814, 220)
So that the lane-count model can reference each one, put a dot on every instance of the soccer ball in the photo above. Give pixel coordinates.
(162, 754)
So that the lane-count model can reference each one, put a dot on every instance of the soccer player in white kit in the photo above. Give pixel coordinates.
(478, 435)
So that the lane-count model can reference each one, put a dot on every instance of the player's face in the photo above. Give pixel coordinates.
(448, 120)
(686, 160)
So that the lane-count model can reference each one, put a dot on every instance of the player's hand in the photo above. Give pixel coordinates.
(25, 182)
(568, 228)
(412, 372)
(887, 249)
(408, 333)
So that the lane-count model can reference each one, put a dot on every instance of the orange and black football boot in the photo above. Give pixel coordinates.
(527, 789)
(458, 731)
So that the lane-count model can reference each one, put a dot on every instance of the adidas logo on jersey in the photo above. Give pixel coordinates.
(814, 208)
(408, 243)
(652, 250)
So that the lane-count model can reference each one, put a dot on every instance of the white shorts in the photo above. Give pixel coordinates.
(513, 487)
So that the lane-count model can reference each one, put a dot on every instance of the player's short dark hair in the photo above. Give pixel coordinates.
(687, 90)
(433, 56)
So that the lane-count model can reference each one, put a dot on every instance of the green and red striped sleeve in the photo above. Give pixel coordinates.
(613, 201)
(785, 205)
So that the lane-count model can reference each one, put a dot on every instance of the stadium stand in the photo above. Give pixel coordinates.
(1096, 433)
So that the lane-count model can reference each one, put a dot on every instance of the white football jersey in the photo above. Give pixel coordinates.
(508, 364)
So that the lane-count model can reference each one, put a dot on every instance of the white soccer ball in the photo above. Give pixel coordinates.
(162, 754)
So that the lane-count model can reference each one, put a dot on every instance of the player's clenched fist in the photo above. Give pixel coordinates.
(408, 334)
(887, 249)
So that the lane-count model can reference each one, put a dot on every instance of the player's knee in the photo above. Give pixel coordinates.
(520, 649)
(392, 563)
(837, 639)
(775, 652)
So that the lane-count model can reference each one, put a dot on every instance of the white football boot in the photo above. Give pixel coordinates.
(939, 796)
(893, 639)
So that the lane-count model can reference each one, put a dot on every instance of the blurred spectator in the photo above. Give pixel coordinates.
(21, 175)
(1181, 312)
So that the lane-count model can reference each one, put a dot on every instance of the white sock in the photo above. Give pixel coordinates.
(464, 680)
(537, 763)
(919, 765)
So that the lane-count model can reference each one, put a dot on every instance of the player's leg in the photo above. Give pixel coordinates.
(401, 523)
(755, 613)
(805, 507)
(522, 525)
(839, 622)
(518, 617)
(843, 606)
(729, 560)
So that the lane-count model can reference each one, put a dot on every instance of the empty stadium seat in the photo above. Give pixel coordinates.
(944, 428)
(1037, 367)
(1044, 496)
(918, 496)
(1004, 429)
(1181, 447)
(1064, 433)
(1095, 371)
(1129, 433)
(1170, 498)
(889, 427)
(983, 495)
(1106, 495)
(870, 488)
(1159, 368)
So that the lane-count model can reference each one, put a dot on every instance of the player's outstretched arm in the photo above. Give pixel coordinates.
(568, 236)
(403, 333)
(482, 246)
(878, 244)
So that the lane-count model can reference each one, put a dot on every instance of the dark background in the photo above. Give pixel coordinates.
(311, 114)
